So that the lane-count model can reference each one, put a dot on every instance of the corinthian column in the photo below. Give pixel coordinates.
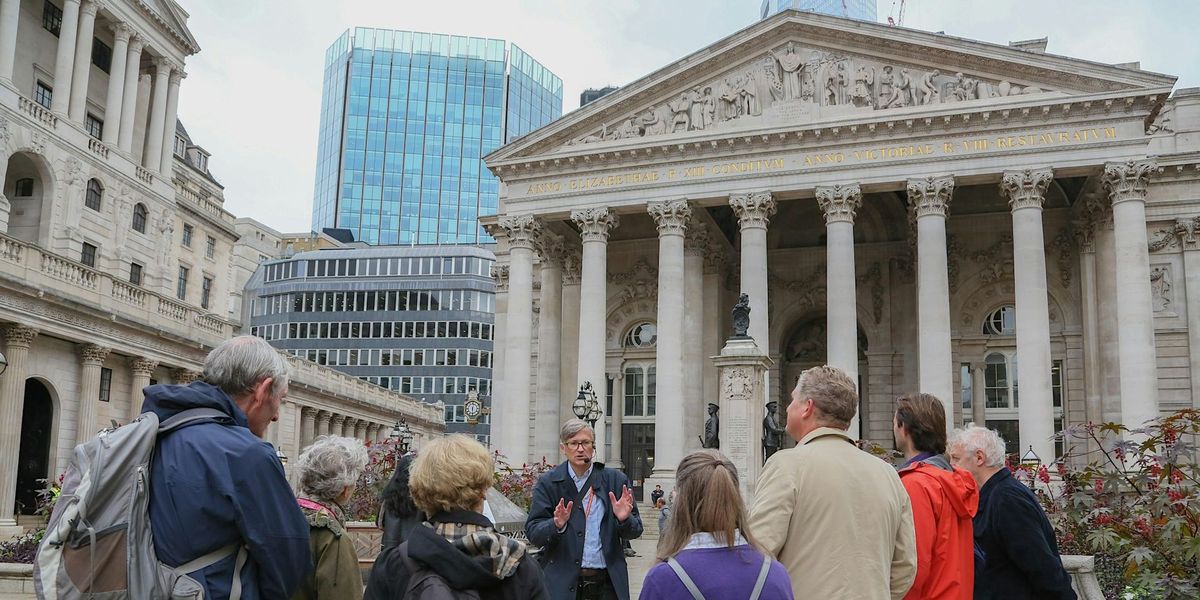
(168, 143)
(133, 67)
(930, 198)
(308, 426)
(672, 218)
(1026, 191)
(1126, 185)
(17, 340)
(568, 366)
(83, 61)
(594, 225)
(754, 213)
(152, 152)
(64, 58)
(323, 418)
(513, 435)
(335, 425)
(116, 85)
(840, 203)
(9, 16)
(141, 369)
(91, 358)
(695, 244)
(548, 419)
(1188, 232)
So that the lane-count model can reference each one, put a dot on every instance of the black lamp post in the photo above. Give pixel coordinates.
(585, 406)
(283, 458)
(1033, 462)
(402, 435)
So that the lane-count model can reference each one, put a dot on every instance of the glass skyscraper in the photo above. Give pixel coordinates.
(406, 118)
(863, 10)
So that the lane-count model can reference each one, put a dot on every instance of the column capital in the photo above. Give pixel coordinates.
(308, 412)
(121, 31)
(931, 195)
(572, 268)
(19, 336)
(523, 231)
(142, 366)
(165, 63)
(550, 248)
(1188, 232)
(595, 223)
(671, 216)
(93, 354)
(90, 7)
(1127, 180)
(136, 44)
(696, 240)
(754, 209)
(177, 75)
(1026, 188)
(839, 202)
(337, 421)
(323, 416)
(1084, 231)
(500, 274)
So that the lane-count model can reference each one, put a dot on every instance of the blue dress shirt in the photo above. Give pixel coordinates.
(593, 552)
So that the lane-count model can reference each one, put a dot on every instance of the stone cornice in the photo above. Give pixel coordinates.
(839, 202)
(1127, 181)
(670, 216)
(931, 195)
(1026, 188)
(595, 223)
(754, 209)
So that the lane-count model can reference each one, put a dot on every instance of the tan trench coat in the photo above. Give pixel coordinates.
(838, 518)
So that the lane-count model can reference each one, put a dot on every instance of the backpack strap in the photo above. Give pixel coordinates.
(212, 558)
(190, 416)
(762, 577)
(687, 581)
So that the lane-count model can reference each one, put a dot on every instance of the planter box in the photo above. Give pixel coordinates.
(1082, 570)
(16, 581)
(367, 539)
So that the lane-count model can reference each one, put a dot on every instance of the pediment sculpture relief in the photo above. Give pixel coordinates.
(796, 83)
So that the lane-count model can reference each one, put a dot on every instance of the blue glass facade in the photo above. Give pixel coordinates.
(406, 118)
(863, 10)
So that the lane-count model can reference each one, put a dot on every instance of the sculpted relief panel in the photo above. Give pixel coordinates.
(794, 82)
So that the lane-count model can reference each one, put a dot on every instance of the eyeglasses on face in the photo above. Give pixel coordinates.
(580, 444)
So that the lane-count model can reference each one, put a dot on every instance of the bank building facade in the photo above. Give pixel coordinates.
(923, 211)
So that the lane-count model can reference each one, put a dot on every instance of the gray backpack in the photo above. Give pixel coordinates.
(99, 541)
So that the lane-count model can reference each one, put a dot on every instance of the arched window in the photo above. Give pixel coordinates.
(94, 192)
(1002, 321)
(23, 188)
(642, 335)
(640, 390)
(139, 217)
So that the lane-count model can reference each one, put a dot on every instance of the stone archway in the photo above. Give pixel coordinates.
(28, 185)
(804, 346)
(37, 428)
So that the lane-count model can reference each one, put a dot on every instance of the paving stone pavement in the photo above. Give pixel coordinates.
(644, 546)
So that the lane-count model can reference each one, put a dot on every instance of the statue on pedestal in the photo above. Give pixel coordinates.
(741, 317)
(773, 431)
(712, 428)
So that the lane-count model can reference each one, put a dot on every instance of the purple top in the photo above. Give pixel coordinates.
(720, 574)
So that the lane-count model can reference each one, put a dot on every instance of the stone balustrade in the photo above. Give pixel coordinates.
(357, 391)
(144, 175)
(204, 205)
(39, 113)
(98, 148)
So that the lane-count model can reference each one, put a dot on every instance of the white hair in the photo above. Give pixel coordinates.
(571, 428)
(329, 465)
(982, 439)
(239, 364)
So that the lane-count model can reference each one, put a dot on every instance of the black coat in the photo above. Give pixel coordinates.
(562, 553)
(390, 576)
(1019, 553)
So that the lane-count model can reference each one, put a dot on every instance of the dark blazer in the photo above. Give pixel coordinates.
(1019, 553)
(562, 553)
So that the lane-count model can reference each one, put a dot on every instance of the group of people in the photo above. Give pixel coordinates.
(827, 520)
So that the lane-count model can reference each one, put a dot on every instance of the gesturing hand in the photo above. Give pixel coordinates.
(623, 507)
(562, 513)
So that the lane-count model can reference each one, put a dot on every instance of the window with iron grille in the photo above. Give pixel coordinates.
(181, 285)
(210, 247)
(187, 235)
(43, 94)
(139, 217)
(206, 292)
(88, 255)
(101, 55)
(105, 384)
(135, 274)
(94, 194)
(51, 18)
(94, 126)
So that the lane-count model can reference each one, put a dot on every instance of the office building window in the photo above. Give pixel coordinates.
(51, 18)
(187, 235)
(88, 255)
(181, 285)
(105, 384)
(43, 94)
(210, 247)
(206, 292)
(101, 55)
(94, 126)
(139, 217)
(95, 192)
(135, 274)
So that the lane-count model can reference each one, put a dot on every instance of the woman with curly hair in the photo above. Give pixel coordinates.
(328, 471)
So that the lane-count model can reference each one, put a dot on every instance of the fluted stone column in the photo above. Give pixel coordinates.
(116, 85)
(1188, 232)
(695, 244)
(308, 426)
(618, 416)
(1026, 191)
(1085, 239)
(372, 432)
(349, 426)
(714, 269)
(17, 340)
(133, 68)
(168, 143)
(568, 366)
(152, 153)
(142, 370)
(499, 339)
(335, 425)
(91, 358)
(64, 60)
(978, 394)
(1126, 184)
(672, 218)
(754, 213)
(360, 431)
(594, 225)
(83, 61)
(523, 232)
(10, 12)
(549, 345)
(840, 203)
(1106, 311)
(930, 198)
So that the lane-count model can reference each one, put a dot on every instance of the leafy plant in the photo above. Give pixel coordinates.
(368, 493)
(23, 549)
(517, 485)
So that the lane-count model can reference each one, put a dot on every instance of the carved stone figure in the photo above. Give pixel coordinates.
(627, 129)
(773, 431)
(964, 87)
(728, 100)
(708, 108)
(887, 89)
(712, 428)
(696, 110)
(748, 93)
(793, 71)
(843, 81)
(652, 122)
(770, 88)
(864, 79)
(681, 112)
(1162, 122)
(1160, 288)
(928, 89)
(741, 317)
(829, 90)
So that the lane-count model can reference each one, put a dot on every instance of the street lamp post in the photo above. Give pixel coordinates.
(1033, 462)
(585, 406)
(283, 458)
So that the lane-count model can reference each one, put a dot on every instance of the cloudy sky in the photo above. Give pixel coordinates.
(252, 95)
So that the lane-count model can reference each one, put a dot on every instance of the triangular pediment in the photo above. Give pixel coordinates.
(798, 69)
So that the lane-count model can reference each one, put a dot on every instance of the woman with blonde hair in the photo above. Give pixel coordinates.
(707, 552)
(328, 471)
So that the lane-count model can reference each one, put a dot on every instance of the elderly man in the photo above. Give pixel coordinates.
(1016, 553)
(579, 521)
(835, 516)
(215, 483)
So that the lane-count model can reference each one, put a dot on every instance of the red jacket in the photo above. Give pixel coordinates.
(944, 501)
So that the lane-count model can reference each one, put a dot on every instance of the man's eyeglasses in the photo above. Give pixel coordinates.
(578, 445)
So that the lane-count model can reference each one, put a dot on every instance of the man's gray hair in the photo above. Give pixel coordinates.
(239, 364)
(571, 428)
(982, 439)
(329, 465)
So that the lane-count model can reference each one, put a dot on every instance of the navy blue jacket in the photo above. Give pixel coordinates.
(213, 484)
(562, 553)
(1019, 553)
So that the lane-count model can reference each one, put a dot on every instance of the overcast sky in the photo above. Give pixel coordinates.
(252, 95)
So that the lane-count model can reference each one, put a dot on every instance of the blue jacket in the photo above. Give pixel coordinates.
(562, 553)
(212, 484)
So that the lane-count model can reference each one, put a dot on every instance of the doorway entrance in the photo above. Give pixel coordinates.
(637, 452)
(34, 459)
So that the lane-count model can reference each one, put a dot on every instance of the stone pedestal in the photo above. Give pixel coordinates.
(742, 368)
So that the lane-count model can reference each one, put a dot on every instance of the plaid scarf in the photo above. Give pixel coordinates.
(504, 552)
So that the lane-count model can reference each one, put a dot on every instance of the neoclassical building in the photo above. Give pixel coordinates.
(923, 211)
(119, 266)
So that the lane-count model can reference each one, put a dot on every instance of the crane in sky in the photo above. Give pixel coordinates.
(899, 17)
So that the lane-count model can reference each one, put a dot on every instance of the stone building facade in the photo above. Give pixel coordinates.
(922, 211)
